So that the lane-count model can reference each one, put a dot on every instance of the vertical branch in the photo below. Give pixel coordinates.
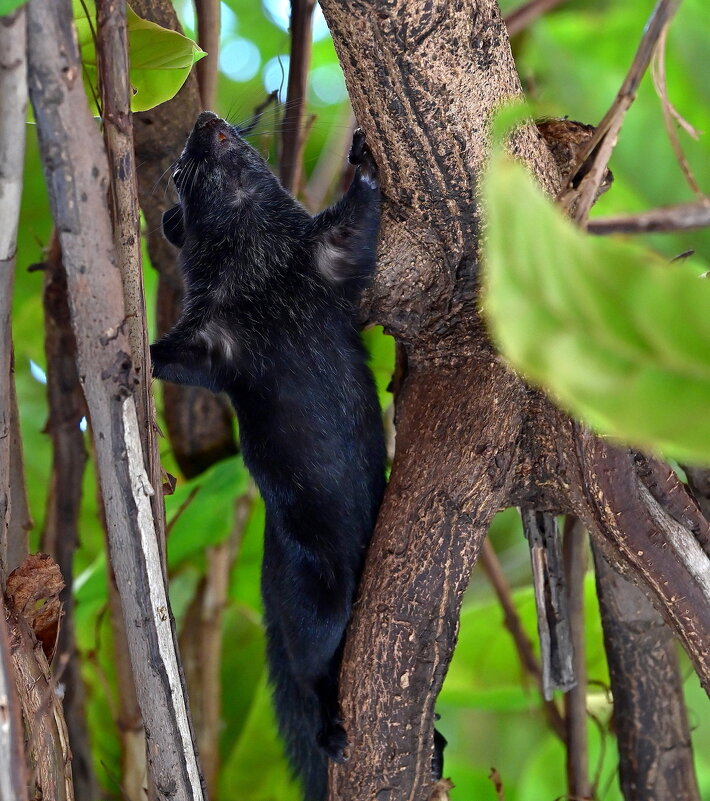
(76, 172)
(13, 102)
(208, 14)
(112, 47)
(575, 558)
(553, 622)
(60, 537)
(20, 518)
(13, 768)
(292, 139)
(656, 759)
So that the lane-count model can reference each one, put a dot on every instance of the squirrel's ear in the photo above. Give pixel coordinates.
(174, 226)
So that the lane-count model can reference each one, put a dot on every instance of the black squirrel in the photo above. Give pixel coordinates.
(270, 317)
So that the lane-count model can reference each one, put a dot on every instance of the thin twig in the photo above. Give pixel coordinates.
(293, 138)
(672, 116)
(208, 14)
(511, 620)
(595, 155)
(519, 18)
(683, 217)
(575, 557)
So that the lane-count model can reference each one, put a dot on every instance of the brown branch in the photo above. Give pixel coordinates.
(20, 518)
(60, 536)
(13, 767)
(520, 18)
(656, 760)
(13, 100)
(208, 27)
(47, 747)
(682, 217)
(511, 620)
(293, 138)
(596, 154)
(112, 51)
(575, 558)
(76, 171)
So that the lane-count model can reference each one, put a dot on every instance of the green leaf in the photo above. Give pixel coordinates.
(7, 6)
(201, 511)
(160, 59)
(618, 336)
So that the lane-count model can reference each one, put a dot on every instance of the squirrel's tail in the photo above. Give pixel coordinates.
(298, 720)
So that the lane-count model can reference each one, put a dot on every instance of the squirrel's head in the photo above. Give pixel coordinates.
(218, 168)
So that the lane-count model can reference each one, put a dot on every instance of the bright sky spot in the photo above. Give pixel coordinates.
(239, 59)
(37, 372)
(279, 12)
(275, 75)
(320, 28)
(328, 85)
(227, 21)
(82, 424)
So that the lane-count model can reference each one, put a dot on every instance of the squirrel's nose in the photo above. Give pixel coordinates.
(205, 118)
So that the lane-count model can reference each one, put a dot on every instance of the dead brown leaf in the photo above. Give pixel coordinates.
(33, 590)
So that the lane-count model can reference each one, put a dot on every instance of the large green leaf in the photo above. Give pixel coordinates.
(7, 6)
(201, 511)
(160, 59)
(617, 335)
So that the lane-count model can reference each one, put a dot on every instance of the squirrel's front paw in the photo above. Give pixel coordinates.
(333, 740)
(361, 156)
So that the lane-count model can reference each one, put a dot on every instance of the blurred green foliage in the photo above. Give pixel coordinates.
(572, 62)
(617, 335)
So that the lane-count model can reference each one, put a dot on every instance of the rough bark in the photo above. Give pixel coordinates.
(655, 754)
(46, 746)
(115, 91)
(77, 177)
(424, 79)
(13, 768)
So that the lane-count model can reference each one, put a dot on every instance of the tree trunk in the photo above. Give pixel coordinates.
(425, 79)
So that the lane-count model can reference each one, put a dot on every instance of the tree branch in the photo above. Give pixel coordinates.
(77, 177)
(293, 135)
(13, 766)
(208, 26)
(656, 759)
(682, 217)
(13, 101)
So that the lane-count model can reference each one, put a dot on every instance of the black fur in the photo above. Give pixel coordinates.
(270, 318)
